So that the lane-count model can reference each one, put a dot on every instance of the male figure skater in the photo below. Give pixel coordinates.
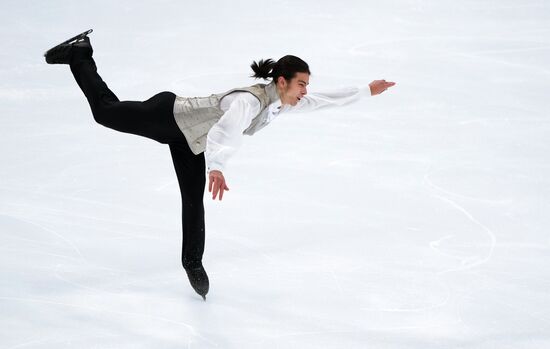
(201, 131)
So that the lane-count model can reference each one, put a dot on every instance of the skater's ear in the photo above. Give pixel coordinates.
(282, 81)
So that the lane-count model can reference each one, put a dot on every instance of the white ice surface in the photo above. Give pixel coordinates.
(415, 219)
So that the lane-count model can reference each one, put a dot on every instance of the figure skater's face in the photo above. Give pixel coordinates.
(291, 92)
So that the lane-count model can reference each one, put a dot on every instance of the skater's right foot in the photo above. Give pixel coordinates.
(198, 279)
(63, 53)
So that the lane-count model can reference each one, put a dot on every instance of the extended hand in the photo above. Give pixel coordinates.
(379, 86)
(216, 182)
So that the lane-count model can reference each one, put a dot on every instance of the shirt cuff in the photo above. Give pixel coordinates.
(215, 166)
(365, 90)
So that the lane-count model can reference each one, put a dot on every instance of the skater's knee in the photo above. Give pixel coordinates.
(102, 114)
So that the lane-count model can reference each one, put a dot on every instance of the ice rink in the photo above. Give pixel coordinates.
(418, 218)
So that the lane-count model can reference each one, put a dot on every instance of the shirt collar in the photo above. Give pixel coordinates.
(274, 99)
(271, 90)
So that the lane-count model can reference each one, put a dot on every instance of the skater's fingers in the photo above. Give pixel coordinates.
(387, 85)
(218, 188)
(217, 184)
(215, 188)
(223, 187)
(381, 84)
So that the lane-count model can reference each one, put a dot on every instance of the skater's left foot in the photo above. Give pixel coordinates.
(62, 53)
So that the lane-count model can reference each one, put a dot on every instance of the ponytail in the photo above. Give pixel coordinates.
(286, 67)
(262, 69)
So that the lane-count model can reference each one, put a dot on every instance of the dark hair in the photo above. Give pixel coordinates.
(286, 67)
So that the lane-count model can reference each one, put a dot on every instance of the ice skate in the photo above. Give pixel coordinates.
(62, 53)
(199, 280)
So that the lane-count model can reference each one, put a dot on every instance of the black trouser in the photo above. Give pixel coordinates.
(153, 119)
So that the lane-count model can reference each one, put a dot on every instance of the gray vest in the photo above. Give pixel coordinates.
(195, 116)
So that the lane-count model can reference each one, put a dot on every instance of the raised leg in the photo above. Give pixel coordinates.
(153, 118)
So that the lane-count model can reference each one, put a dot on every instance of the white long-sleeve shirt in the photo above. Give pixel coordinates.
(226, 136)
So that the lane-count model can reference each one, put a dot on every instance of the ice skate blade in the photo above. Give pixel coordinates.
(76, 37)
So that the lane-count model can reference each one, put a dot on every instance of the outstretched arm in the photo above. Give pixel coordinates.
(337, 97)
(225, 138)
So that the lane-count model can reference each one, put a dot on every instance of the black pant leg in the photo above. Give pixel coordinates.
(191, 174)
(153, 118)
(95, 89)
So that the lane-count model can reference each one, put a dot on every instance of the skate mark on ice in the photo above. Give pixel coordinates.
(110, 206)
(32, 342)
(472, 261)
(171, 183)
(23, 250)
(427, 181)
(71, 244)
(337, 282)
(280, 344)
(481, 57)
(55, 340)
(58, 276)
(105, 310)
(523, 310)
(72, 214)
(385, 290)
(434, 244)
(414, 310)
(507, 119)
